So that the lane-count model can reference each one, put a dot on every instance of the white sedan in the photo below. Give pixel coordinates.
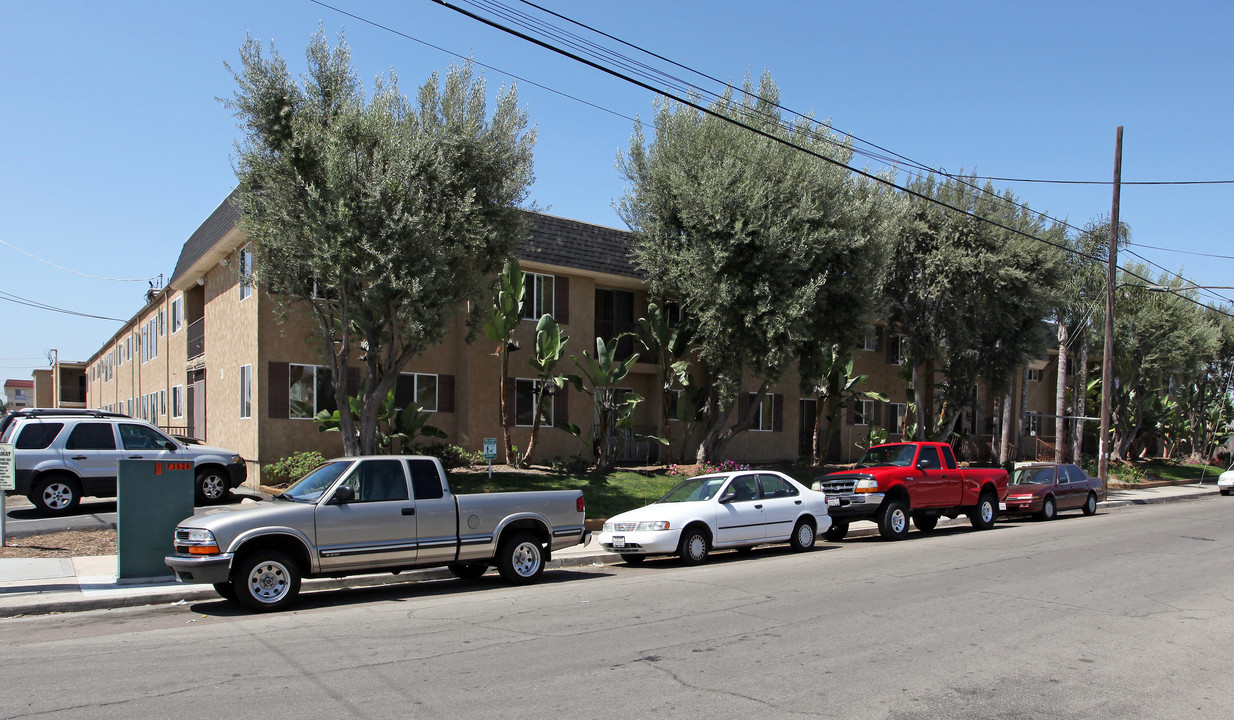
(727, 510)
(1225, 483)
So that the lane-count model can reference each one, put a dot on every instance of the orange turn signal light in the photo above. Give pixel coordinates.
(203, 550)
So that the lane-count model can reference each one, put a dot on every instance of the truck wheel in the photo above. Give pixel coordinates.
(467, 571)
(1049, 510)
(520, 560)
(893, 520)
(1090, 504)
(211, 486)
(925, 522)
(266, 580)
(226, 590)
(983, 516)
(803, 536)
(837, 531)
(56, 494)
(694, 546)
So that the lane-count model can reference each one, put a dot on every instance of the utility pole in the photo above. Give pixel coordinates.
(1107, 362)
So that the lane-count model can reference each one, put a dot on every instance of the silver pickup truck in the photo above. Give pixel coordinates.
(369, 515)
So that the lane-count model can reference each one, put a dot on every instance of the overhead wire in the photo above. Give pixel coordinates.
(52, 308)
(69, 270)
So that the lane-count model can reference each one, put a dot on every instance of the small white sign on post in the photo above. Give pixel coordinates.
(8, 481)
(490, 453)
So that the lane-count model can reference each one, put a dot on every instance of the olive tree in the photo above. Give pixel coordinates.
(378, 215)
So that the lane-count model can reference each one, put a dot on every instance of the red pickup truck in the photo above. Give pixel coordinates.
(921, 480)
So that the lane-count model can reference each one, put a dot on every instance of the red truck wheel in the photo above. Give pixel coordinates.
(983, 516)
(893, 520)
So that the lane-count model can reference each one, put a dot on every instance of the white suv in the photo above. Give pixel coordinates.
(62, 456)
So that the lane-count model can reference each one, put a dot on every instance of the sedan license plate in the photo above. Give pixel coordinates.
(1002, 506)
(833, 502)
(619, 541)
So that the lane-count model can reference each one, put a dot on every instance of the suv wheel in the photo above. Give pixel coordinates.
(56, 494)
(211, 486)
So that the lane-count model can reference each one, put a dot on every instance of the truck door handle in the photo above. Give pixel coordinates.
(409, 511)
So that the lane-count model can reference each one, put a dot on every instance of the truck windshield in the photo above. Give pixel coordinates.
(703, 487)
(310, 487)
(893, 455)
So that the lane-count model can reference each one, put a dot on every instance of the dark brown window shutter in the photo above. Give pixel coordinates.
(852, 414)
(278, 390)
(891, 349)
(561, 406)
(777, 413)
(743, 404)
(878, 338)
(353, 381)
(445, 393)
(561, 299)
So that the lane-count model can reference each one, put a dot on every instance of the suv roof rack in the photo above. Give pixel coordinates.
(12, 415)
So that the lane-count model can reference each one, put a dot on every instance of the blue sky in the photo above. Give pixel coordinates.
(115, 149)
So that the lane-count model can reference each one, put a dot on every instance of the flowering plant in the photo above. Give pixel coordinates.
(707, 468)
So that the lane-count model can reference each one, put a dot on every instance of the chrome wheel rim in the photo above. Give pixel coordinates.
(212, 486)
(57, 496)
(526, 559)
(987, 511)
(269, 582)
(899, 521)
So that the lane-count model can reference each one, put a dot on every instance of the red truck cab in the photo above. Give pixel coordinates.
(919, 480)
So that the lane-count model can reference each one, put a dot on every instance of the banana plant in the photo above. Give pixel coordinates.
(549, 345)
(392, 424)
(599, 376)
(668, 347)
(503, 319)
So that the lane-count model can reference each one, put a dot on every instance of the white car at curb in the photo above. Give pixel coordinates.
(1225, 483)
(737, 509)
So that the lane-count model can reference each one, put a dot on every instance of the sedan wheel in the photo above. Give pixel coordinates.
(1090, 504)
(694, 546)
(803, 536)
(1049, 510)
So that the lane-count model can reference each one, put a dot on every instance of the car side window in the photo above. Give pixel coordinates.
(928, 459)
(948, 457)
(140, 437)
(91, 436)
(378, 481)
(425, 481)
(745, 487)
(775, 486)
(1075, 474)
(37, 435)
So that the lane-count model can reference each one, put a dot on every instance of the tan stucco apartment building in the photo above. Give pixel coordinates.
(210, 356)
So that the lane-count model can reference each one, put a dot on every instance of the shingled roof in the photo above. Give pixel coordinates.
(553, 241)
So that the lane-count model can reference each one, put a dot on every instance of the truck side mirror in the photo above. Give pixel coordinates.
(923, 464)
(344, 494)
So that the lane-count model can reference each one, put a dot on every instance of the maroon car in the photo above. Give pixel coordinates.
(1043, 489)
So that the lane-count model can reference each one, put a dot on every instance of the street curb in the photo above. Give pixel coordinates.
(195, 593)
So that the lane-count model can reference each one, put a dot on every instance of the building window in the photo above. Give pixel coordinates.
(763, 417)
(898, 413)
(177, 401)
(1034, 424)
(420, 388)
(525, 404)
(865, 411)
(311, 390)
(128, 407)
(674, 398)
(246, 391)
(537, 296)
(870, 340)
(153, 350)
(162, 402)
(1034, 375)
(246, 273)
(672, 313)
(615, 319)
(177, 315)
(895, 348)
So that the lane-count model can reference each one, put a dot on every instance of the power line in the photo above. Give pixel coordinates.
(1111, 182)
(58, 267)
(43, 306)
(1183, 252)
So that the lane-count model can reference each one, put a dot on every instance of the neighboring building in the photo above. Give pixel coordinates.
(63, 385)
(19, 393)
(209, 356)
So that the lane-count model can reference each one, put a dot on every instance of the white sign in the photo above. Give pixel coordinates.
(8, 475)
(490, 448)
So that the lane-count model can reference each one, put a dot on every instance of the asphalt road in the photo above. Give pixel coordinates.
(1122, 615)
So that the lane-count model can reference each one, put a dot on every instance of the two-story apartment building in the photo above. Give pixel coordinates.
(210, 356)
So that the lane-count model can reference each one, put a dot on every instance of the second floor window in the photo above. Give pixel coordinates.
(615, 317)
(537, 295)
(246, 273)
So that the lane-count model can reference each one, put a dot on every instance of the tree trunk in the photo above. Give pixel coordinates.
(918, 402)
(502, 391)
(1060, 394)
(1081, 398)
(1004, 452)
(1022, 416)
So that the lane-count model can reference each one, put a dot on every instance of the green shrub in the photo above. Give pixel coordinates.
(452, 456)
(570, 465)
(291, 468)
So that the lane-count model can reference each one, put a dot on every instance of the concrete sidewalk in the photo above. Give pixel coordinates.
(36, 586)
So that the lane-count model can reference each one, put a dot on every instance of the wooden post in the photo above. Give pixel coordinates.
(1107, 362)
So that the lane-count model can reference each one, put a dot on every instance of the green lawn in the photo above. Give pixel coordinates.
(1175, 470)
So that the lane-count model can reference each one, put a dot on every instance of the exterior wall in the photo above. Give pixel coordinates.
(19, 394)
(44, 394)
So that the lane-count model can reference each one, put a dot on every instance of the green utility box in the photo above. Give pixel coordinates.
(152, 497)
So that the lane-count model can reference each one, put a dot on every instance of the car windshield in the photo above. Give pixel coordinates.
(310, 487)
(894, 455)
(1032, 476)
(703, 487)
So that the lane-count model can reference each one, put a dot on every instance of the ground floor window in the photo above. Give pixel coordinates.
(525, 404)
